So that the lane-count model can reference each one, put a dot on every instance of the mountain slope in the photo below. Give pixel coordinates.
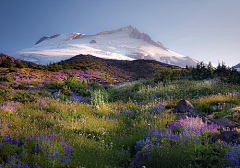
(237, 67)
(120, 70)
(126, 43)
(13, 60)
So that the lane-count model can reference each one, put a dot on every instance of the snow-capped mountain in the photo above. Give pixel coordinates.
(126, 43)
(237, 67)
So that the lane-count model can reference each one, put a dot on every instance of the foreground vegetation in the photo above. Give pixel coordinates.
(66, 119)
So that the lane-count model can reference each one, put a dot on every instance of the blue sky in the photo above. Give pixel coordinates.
(205, 30)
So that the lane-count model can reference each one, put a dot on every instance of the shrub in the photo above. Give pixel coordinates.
(31, 65)
(5, 94)
(123, 157)
(19, 65)
(6, 64)
(13, 70)
(209, 155)
(6, 78)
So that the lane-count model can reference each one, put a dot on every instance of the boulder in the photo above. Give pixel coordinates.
(225, 122)
(184, 106)
(141, 156)
(236, 139)
(225, 136)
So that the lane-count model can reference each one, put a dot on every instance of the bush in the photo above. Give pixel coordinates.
(163, 75)
(22, 86)
(5, 94)
(72, 81)
(6, 78)
(19, 65)
(123, 157)
(209, 155)
(13, 70)
(31, 65)
(6, 64)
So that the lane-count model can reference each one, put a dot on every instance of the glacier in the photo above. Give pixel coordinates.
(126, 43)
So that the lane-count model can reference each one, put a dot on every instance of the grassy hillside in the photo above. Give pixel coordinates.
(67, 119)
(124, 70)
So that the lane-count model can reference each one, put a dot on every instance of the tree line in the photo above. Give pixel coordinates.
(200, 72)
(55, 67)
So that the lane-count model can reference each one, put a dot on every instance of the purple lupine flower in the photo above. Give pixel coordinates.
(44, 148)
(35, 148)
(8, 158)
(154, 132)
(62, 142)
(18, 141)
(23, 152)
(15, 155)
(174, 124)
(36, 165)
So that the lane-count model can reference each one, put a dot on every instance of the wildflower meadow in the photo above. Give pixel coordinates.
(68, 119)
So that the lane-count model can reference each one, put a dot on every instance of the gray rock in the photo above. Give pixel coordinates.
(225, 122)
(236, 139)
(140, 157)
(226, 136)
(184, 106)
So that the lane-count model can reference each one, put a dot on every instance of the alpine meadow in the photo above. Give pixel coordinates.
(88, 112)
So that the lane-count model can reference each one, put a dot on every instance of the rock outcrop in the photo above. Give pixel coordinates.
(46, 37)
(184, 106)
(93, 42)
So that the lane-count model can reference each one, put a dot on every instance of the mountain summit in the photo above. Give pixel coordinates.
(126, 43)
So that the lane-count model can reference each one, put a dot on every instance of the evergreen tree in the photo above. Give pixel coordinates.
(31, 65)
(65, 65)
(19, 65)
(6, 64)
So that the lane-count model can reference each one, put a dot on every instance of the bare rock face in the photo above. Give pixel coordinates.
(183, 106)
(93, 42)
(46, 37)
(138, 35)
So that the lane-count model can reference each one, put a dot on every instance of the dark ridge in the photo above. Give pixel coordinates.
(41, 39)
(13, 60)
(46, 37)
(120, 69)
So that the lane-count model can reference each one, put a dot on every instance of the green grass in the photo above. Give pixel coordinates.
(104, 132)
